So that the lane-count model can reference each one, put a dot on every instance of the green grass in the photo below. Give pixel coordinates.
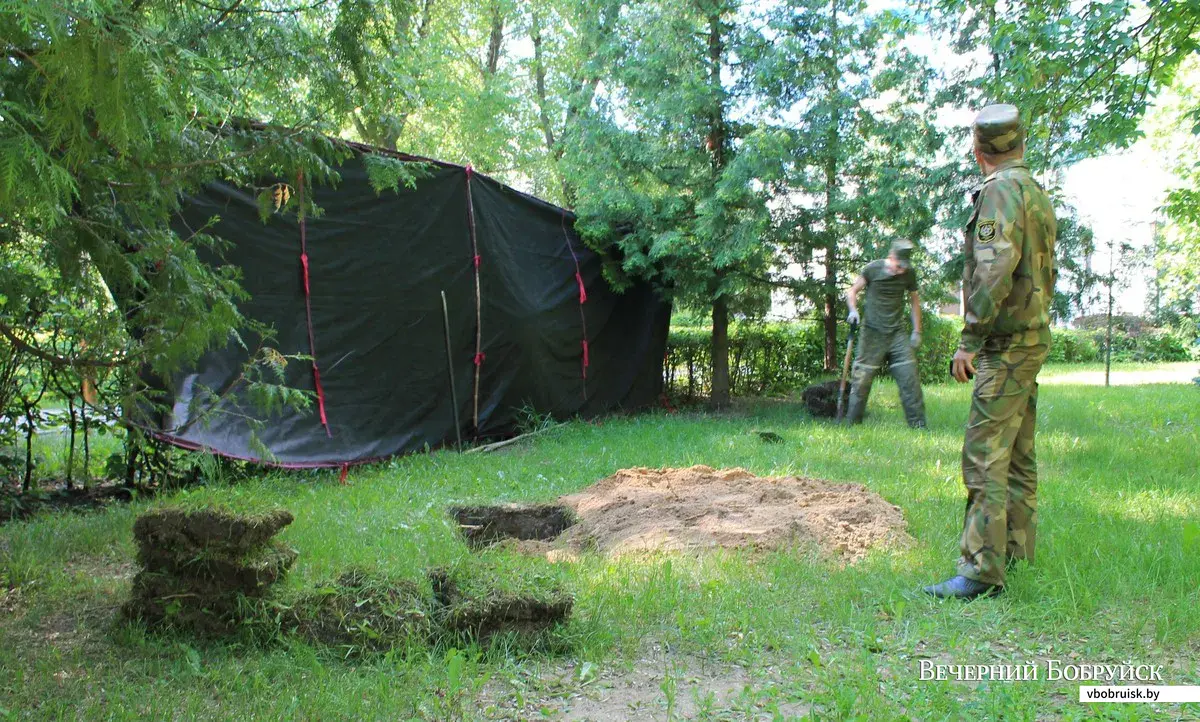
(1116, 578)
(51, 451)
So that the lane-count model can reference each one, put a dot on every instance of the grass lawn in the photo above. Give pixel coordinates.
(725, 635)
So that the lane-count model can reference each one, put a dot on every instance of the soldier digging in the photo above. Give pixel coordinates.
(1008, 288)
(883, 338)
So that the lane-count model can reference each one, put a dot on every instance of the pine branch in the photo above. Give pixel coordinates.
(48, 357)
(228, 11)
(264, 11)
(19, 53)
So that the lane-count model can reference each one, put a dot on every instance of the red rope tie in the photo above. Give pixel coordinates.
(479, 358)
(586, 362)
(582, 290)
(304, 263)
(477, 261)
(470, 170)
(320, 397)
(344, 474)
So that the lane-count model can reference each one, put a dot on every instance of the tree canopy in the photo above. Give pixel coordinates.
(723, 149)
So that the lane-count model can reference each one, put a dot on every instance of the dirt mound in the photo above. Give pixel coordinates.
(675, 509)
(821, 399)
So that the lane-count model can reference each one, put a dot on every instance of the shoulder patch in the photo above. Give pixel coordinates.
(986, 231)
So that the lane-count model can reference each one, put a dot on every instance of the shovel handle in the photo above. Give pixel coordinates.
(846, 368)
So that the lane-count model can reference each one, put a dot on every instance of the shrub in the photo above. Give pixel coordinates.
(770, 358)
(1154, 344)
(938, 343)
(780, 358)
(1147, 345)
(1098, 322)
(1072, 346)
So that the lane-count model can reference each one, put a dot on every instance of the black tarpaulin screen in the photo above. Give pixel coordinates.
(553, 337)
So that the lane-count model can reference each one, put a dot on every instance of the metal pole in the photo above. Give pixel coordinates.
(450, 370)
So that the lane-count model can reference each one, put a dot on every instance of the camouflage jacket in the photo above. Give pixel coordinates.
(1008, 280)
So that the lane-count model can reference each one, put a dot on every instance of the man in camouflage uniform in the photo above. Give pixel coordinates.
(1008, 288)
(883, 337)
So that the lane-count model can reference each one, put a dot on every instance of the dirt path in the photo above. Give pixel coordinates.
(659, 685)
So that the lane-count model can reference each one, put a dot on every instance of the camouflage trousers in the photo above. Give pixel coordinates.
(998, 462)
(875, 347)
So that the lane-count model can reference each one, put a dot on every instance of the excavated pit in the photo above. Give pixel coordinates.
(640, 510)
(485, 525)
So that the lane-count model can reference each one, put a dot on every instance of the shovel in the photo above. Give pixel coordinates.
(845, 371)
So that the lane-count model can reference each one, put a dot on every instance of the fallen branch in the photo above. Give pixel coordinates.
(513, 440)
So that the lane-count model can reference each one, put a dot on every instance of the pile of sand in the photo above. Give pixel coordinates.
(675, 509)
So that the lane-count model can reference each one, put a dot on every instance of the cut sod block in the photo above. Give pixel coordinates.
(362, 610)
(199, 567)
(481, 598)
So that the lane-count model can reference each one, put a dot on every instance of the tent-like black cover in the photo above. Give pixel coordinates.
(359, 289)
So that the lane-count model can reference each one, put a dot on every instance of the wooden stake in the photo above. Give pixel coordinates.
(450, 371)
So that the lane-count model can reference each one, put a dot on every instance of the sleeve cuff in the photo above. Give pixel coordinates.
(970, 342)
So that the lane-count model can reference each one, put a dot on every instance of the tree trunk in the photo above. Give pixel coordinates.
(131, 454)
(71, 424)
(716, 130)
(132, 435)
(720, 353)
(495, 41)
(156, 465)
(832, 84)
(87, 451)
(27, 483)
(539, 77)
(992, 44)
(1108, 327)
(830, 310)
(553, 148)
(719, 398)
(585, 79)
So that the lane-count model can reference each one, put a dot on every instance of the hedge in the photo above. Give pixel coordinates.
(1147, 345)
(779, 358)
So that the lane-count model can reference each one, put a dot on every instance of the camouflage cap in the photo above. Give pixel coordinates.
(902, 250)
(998, 129)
